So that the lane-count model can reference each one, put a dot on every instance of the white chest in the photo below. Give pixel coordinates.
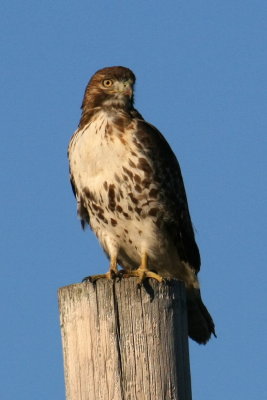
(96, 152)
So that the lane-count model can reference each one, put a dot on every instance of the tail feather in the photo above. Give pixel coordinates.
(200, 323)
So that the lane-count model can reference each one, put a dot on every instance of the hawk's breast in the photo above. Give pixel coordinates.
(114, 180)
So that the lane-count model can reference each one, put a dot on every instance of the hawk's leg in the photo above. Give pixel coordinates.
(143, 272)
(113, 268)
(111, 274)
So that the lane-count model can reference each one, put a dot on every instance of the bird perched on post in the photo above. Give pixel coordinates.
(130, 191)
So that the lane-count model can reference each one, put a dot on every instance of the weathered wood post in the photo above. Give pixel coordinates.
(124, 342)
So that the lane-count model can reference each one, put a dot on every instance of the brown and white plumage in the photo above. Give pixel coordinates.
(130, 190)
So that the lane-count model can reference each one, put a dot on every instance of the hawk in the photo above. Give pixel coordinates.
(130, 191)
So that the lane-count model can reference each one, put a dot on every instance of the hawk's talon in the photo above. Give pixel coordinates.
(110, 275)
(94, 278)
(142, 274)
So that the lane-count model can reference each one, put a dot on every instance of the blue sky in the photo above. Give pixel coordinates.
(201, 79)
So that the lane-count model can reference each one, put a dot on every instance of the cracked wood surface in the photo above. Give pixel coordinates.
(124, 342)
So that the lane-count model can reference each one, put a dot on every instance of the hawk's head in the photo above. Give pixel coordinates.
(109, 87)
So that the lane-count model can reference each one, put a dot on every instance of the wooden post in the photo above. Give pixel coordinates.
(124, 342)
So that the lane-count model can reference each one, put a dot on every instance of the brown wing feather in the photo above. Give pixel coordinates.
(81, 208)
(169, 178)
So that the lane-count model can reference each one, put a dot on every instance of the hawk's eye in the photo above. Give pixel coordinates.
(108, 82)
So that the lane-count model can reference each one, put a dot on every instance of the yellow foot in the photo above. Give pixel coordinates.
(109, 275)
(142, 274)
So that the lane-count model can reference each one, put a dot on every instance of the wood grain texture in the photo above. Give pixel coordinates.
(123, 342)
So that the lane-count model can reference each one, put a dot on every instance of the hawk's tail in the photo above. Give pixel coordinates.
(200, 323)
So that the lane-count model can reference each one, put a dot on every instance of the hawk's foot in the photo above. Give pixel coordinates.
(142, 274)
(111, 274)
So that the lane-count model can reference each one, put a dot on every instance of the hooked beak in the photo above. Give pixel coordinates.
(124, 88)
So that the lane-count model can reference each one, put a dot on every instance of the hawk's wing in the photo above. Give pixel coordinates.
(168, 177)
(81, 209)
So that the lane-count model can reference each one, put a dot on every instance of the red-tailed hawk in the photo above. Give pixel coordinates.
(129, 189)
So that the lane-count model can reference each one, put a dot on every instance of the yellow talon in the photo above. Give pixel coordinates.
(111, 274)
(143, 272)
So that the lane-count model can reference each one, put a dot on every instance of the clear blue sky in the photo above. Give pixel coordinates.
(201, 79)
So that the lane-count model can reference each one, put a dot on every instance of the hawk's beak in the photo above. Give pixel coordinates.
(128, 91)
(124, 88)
